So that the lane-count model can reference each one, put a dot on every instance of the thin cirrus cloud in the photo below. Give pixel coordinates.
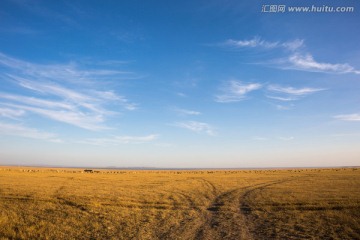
(11, 113)
(283, 107)
(89, 121)
(284, 99)
(286, 138)
(235, 91)
(288, 94)
(198, 127)
(186, 112)
(89, 99)
(306, 62)
(70, 72)
(55, 110)
(49, 91)
(35, 101)
(257, 42)
(293, 91)
(120, 140)
(22, 131)
(348, 117)
(257, 138)
(298, 60)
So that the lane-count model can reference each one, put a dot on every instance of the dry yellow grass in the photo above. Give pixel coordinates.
(38, 203)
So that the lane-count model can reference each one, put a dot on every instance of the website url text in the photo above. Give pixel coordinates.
(307, 9)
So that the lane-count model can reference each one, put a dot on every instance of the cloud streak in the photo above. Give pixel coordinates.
(349, 117)
(61, 93)
(282, 107)
(70, 72)
(306, 62)
(284, 99)
(186, 112)
(198, 127)
(235, 91)
(298, 59)
(22, 131)
(288, 94)
(120, 140)
(257, 42)
(293, 91)
(89, 121)
(286, 138)
(11, 113)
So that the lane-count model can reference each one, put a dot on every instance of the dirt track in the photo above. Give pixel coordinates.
(287, 204)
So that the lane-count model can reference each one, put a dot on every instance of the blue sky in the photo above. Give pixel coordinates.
(178, 84)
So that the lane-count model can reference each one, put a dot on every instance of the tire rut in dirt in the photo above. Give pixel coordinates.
(224, 220)
(247, 209)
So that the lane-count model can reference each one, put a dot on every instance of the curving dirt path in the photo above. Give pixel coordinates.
(227, 215)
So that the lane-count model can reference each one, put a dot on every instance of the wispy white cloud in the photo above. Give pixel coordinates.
(348, 117)
(36, 101)
(306, 62)
(282, 107)
(256, 138)
(297, 60)
(285, 99)
(22, 131)
(288, 94)
(48, 90)
(82, 114)
(119, 140)
(293, 91)
(111, 96)
(286, 138)
(235, 91)
(293, 45)
(70, 72)
(89, 99)
(255, 42)
(11, 113)
(186, 112)
(260, 43)
(195, 126)
(89, 121)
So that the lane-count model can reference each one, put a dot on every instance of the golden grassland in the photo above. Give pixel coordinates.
(40, 203)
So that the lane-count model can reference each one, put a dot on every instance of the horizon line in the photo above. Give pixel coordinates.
(175, 168)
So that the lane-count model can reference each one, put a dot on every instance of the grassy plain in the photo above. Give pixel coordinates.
(39, 203)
